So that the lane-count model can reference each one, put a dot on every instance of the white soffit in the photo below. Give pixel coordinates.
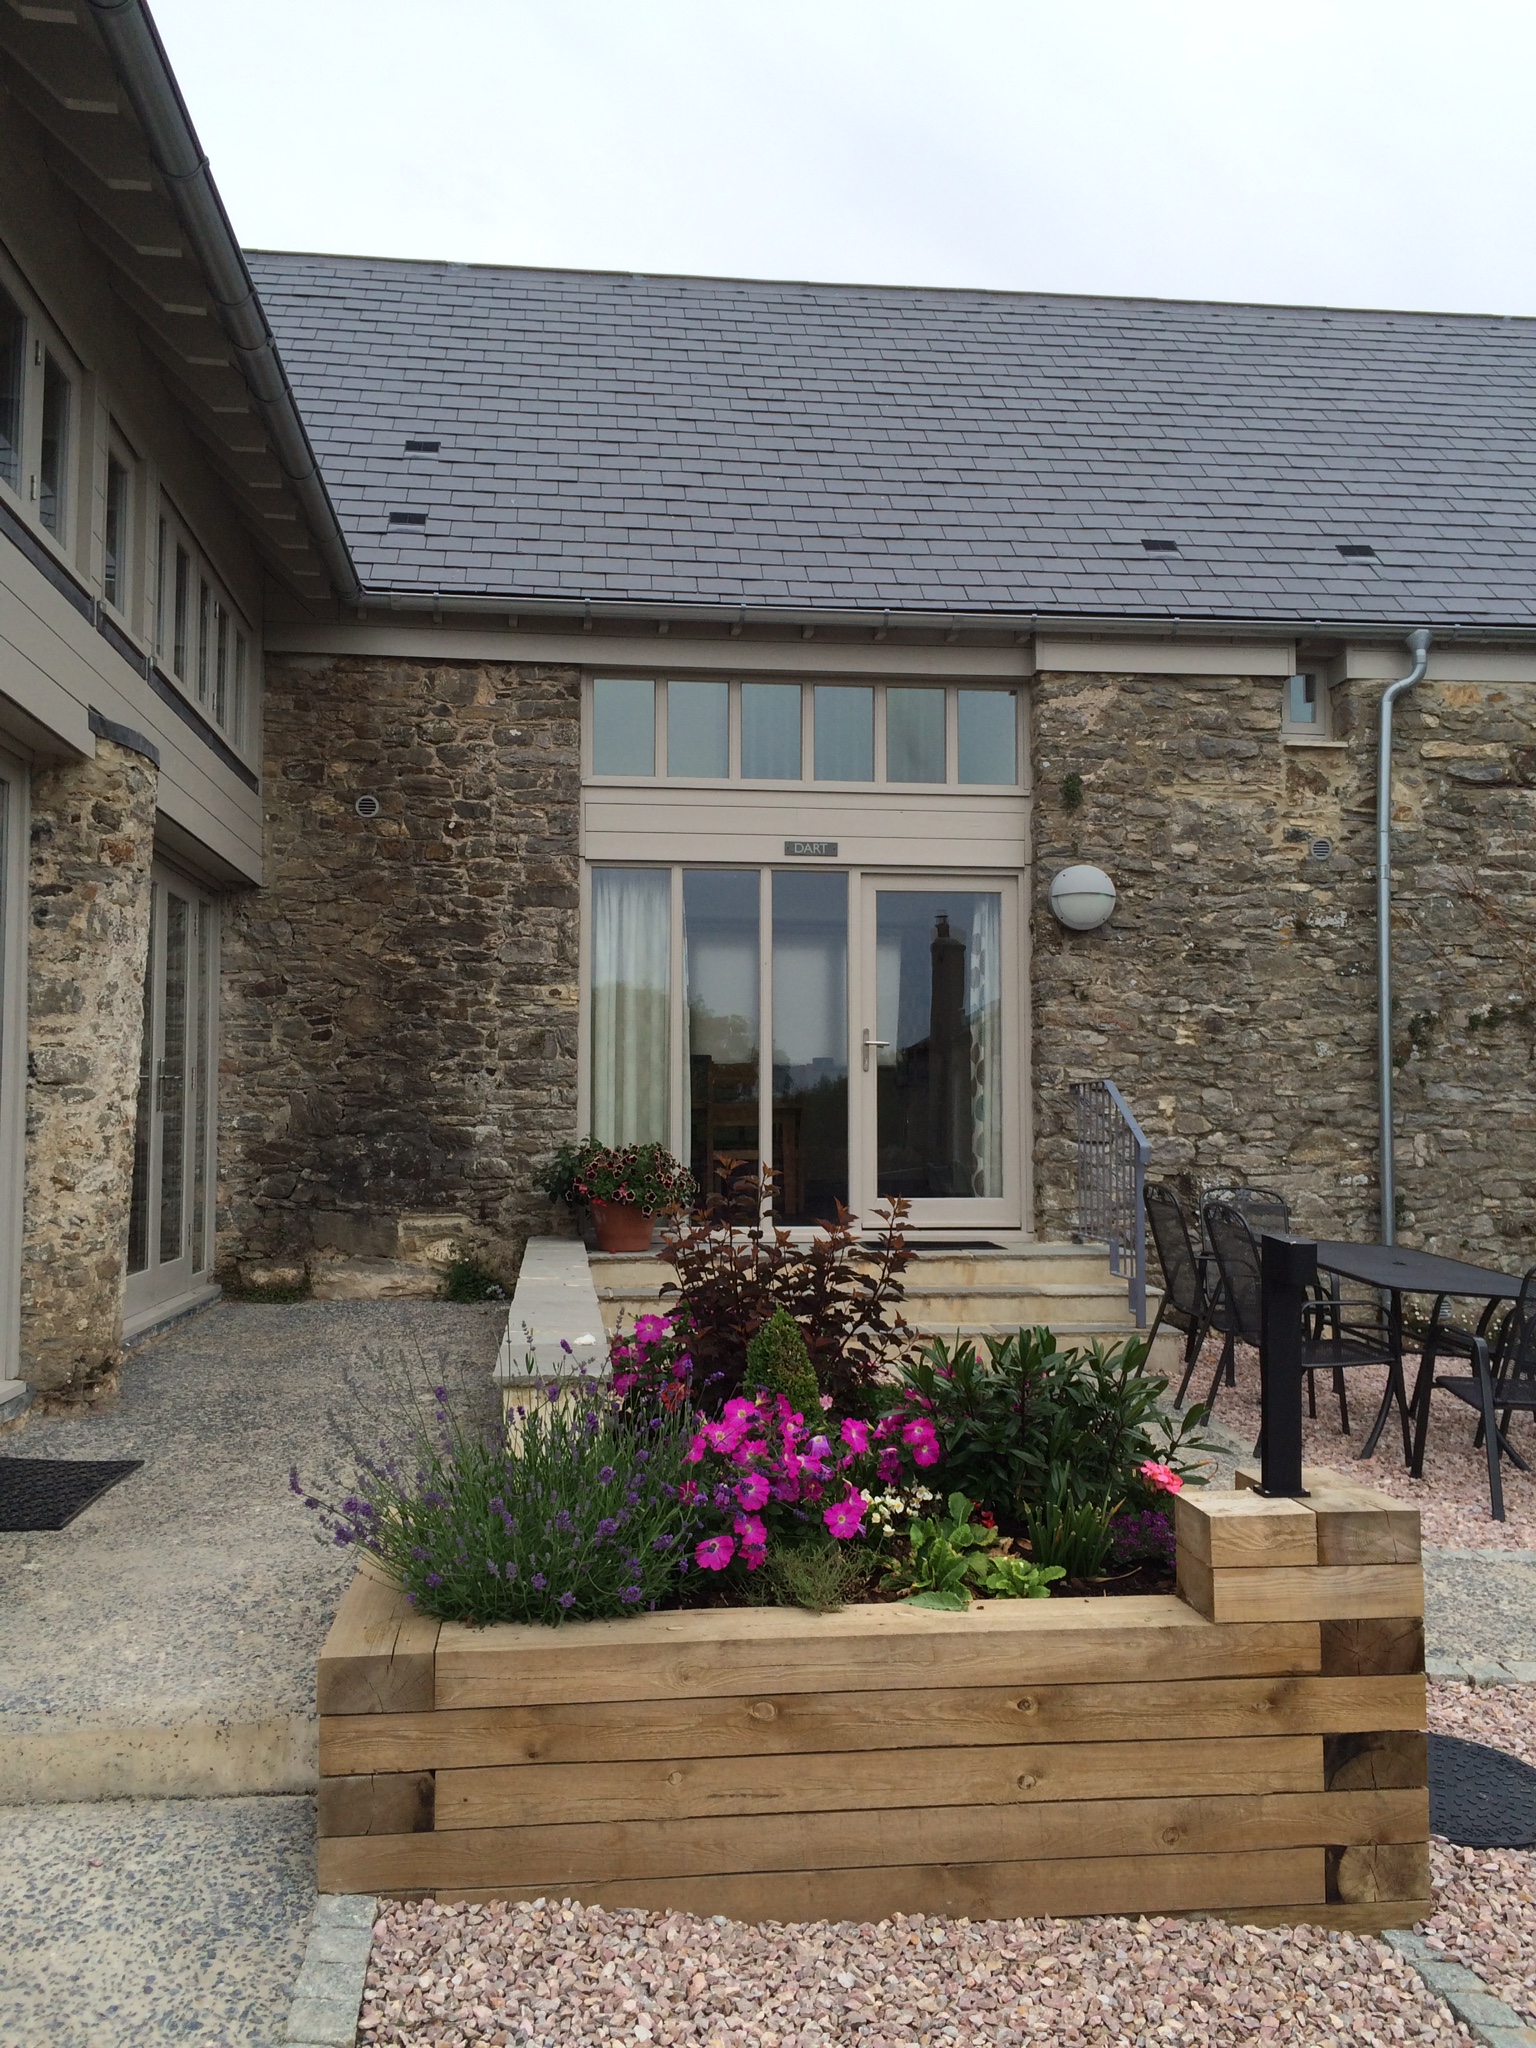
(1450, 664)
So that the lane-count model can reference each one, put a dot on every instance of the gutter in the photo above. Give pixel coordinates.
(144, 71)
(1418, 647)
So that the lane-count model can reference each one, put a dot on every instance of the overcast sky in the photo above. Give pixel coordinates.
(1345, 153)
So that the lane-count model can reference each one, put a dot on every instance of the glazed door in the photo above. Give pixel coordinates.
(937, 1047)
(169, 1220)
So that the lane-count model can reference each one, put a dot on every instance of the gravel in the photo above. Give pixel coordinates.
(567, 1976)
(1452, 1497)
(1485, 1899)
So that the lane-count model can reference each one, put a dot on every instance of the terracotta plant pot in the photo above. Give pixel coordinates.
(621, 1227)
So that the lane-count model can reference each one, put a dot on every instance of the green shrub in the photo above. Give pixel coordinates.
(950, 1553)
(467, 1278)
(818, 1576)
(574, 1514)
(778, 1362)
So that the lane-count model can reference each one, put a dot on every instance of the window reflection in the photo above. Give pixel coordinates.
(720, 1019)
(810, 1046)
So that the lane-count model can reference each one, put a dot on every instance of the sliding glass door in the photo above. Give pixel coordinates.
(170, 1212)
(859, 1034)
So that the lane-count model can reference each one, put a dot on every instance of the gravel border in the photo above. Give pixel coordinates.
(328, 1995)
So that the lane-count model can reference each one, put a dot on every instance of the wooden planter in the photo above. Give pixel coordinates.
(1252, 1747)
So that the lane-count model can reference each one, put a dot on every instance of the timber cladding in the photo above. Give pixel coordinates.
(1251, 1747)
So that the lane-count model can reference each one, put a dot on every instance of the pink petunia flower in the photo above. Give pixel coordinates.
(720, 1436)
(749, 1449)
(888, 1466)
(752, 1530)
(845, 1518)
(855, 1434)
(752, 1555)
(741, 1413)
(753, 1491)
(926, 1452)
(1163, 1477)
(695, 1451)
(715, 1553)
(651, 1329)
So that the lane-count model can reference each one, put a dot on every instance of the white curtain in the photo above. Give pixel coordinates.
(984, 1008)
(631, 963)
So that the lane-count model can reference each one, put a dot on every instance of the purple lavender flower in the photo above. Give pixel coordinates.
(629, 1595)
(605, 1477)
(434, 1578)
(538, 1582)
(566, 1600)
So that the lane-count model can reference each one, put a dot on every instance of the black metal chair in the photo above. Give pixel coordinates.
(1266, 1209)
(1327, 1344)
(1493, 1390)
(1186, 1303)
(1499, 1335)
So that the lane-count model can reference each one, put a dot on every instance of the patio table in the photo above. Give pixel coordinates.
(1398, 1270)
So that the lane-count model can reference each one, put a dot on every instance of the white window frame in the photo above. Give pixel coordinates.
(1313, 731)
(41, 339)
(118, 450)
(807, 779)
(211, 617)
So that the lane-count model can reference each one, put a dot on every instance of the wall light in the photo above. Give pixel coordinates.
(1081, 898)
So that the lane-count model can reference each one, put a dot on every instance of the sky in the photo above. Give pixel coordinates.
(1337, 152)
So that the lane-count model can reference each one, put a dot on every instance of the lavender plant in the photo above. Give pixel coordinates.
(577, 1513)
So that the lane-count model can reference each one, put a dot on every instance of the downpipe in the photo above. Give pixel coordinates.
(1418, 647)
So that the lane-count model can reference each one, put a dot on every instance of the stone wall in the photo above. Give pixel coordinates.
(1233, 995)
(400, 998)
(93, 827)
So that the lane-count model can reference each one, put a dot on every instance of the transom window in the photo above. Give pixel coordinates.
(914, 734)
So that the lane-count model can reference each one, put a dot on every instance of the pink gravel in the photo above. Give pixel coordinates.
(569, 1976)
(1485, 1899)
(1452, 1497)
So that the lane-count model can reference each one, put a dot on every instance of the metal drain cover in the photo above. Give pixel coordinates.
(1479, 1797)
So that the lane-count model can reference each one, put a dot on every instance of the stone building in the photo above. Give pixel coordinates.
(445, 710)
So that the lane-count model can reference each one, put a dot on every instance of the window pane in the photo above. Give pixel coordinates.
(183, 610)
(631, 981)
(845, 733)
(698, 729)
(53, 463)
(162, 591)
(810, 1046)
(138, 1197)
(938, 1006)
(1303, 700)
(221, 666)
(989, 746)
(721, 1023)
(172, 1092)
(237, 725)
(114, 573)
(770, 731)
(204, 640)
(13, 347)
(914, 735)
(623, 727)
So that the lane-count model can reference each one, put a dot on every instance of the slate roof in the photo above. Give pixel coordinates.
(703, 440)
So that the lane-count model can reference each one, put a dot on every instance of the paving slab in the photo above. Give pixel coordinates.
(154, 1923)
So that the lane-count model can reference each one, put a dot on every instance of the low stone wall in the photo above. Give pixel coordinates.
(1254, 1748)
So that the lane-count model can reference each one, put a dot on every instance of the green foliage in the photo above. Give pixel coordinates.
(778, 1362)
(818, 1576)
(274, 1296)
(1030, 1424)
(640, 1176)
(1071, 1534)
(467, 1278)
(573, 1514)
(950, 1553)
(1072, 792)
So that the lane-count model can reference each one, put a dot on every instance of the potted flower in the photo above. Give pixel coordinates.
(622, 1185)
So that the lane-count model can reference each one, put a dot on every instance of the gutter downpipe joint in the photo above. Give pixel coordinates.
(1418, 647)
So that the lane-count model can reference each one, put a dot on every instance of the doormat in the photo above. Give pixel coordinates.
(48, 1493)
(1480, 1798)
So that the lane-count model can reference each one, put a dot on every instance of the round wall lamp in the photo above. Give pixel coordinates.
(1081, 898)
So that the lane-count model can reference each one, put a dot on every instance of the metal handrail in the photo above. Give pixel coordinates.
(1112, 1159)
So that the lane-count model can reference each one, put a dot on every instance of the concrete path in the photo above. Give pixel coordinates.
(194, 1596)
(167, 1641)
(146, 1923)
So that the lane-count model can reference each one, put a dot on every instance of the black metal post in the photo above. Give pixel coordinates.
(1289, 1269)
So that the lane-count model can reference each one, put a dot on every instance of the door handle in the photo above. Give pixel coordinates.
(872, 1044)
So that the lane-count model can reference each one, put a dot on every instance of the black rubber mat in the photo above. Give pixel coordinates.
(48, 1493)
(1479, 1797)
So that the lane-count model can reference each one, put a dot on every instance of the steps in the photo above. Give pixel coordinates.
(950, 1293)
